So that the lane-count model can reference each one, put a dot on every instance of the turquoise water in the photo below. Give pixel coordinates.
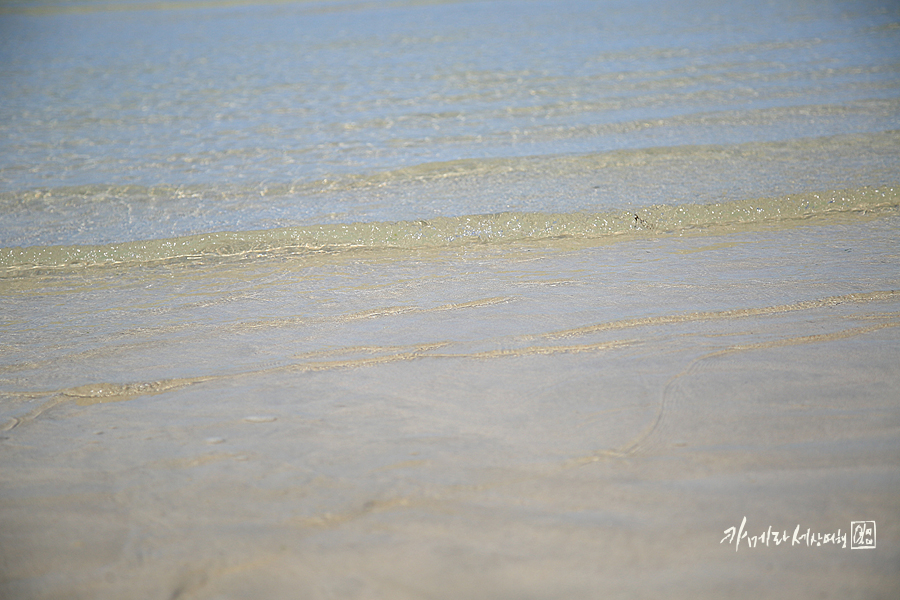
(445, 299)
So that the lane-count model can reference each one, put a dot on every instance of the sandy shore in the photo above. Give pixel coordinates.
(538, 450)
(620, 483)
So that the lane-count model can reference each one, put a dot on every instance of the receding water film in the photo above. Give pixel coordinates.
(414, 299)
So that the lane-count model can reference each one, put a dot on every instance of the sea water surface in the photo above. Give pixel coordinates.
(463, 237)
(135, 121)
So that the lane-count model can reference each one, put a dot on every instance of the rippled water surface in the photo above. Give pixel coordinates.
(138, 120)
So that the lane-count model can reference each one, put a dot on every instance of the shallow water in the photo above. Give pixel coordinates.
(165, 120)
(446, 299)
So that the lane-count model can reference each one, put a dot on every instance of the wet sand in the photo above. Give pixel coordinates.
(607, 459)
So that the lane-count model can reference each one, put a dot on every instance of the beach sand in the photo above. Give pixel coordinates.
(558, 454)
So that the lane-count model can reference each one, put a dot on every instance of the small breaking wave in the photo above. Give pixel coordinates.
(445, 232)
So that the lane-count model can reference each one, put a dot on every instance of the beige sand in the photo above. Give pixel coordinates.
(591, 469)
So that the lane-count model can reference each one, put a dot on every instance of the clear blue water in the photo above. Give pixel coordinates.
(156, 122)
